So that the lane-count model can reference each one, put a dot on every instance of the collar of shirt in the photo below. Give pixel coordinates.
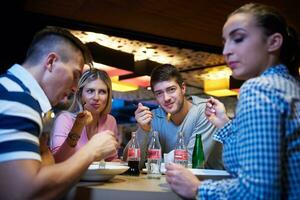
(277, 69)
(33, 86)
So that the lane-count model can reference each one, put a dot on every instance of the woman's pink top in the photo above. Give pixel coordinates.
(62, 126)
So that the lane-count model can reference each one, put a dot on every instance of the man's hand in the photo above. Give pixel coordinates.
(102, 145)
(143, 116)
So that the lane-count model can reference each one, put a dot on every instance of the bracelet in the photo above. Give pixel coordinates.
(73, 139)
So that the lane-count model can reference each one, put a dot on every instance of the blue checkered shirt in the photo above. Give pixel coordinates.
(261, 145)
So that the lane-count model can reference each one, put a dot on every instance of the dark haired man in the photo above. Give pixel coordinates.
(50, 72)
(176, 113)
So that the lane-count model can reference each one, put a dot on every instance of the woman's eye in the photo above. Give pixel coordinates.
(238, 40)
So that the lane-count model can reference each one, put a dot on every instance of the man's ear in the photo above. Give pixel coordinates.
(274, 42)
(183, 87)
(51, 58)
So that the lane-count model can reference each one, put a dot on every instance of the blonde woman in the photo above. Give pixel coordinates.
(87, 116)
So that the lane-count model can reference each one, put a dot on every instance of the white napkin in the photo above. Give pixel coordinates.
(169, 157)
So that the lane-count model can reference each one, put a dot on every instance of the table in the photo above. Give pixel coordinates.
(124, 187)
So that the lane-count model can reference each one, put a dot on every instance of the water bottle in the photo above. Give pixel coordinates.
(198, 155)
(181, 153)
(133, 156)
(154, 157)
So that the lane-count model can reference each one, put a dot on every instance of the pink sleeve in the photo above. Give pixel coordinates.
(115, 128)
(62, 125)
(111, 125)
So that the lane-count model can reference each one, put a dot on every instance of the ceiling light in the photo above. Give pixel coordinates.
(111, 71)
(221, 93)
(142, 81)
(215, 73)
(120, 86)
(142, 72)
(111, 57)
(217, 81)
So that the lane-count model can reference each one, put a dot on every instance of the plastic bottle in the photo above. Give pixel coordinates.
(133, 156)
(181, 153)
(154, 157)
(198, 155)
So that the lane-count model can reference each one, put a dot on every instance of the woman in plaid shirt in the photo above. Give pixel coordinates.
(261, 145)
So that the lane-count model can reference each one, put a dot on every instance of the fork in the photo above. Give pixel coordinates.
(102, 164)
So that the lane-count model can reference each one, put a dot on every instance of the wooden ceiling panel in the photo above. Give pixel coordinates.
(198, 21)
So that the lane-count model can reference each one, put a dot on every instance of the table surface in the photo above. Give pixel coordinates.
(124, 187)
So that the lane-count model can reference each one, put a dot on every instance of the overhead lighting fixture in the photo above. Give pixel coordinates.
(216, 81)
(122, 87)
(111, 71)
(222, 93)
(218, 87)
(142, 72)
(142, 81)
(214, 73)
(116, 84)
(111, 57)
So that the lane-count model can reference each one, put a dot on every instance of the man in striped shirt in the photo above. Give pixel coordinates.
(52, 67)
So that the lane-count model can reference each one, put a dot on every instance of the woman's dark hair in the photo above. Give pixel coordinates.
(273, 22)
(165, 72)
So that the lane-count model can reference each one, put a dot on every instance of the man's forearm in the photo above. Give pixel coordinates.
(52, 181)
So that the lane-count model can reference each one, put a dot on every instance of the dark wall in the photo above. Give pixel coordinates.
(17, 30)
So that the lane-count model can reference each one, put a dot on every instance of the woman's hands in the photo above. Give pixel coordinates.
(84, 118)
(216, 113)
(182, 180)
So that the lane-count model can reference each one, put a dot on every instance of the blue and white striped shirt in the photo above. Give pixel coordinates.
(262, 144)
(22, 102)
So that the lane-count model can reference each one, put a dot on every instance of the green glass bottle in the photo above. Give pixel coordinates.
(198, 155)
